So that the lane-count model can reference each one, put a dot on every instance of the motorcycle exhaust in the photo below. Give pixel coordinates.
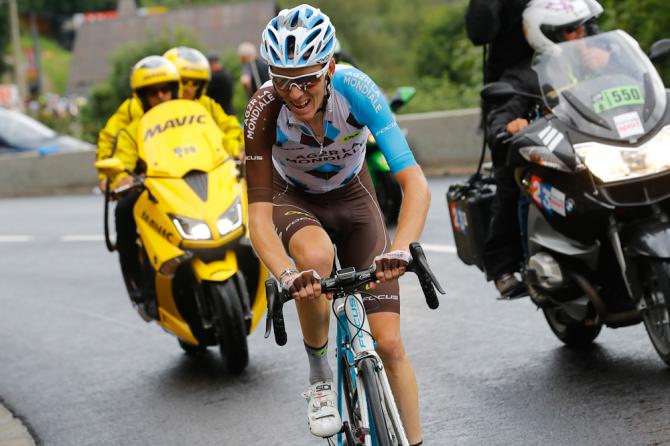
(614, 320)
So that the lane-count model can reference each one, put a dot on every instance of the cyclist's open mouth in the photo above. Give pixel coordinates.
(301, 105)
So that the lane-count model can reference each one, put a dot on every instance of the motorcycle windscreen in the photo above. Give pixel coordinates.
(604, 85)
(177, 137)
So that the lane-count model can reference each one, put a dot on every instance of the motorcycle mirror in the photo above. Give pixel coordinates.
(111, 166)
(406, 93)
(660, 51)
(497, 91)
(402, 97)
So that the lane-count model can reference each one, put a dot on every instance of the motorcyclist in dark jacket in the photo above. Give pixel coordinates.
(544, 24)
(497, 23)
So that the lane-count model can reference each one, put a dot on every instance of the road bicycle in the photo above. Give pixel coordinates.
(371, 417)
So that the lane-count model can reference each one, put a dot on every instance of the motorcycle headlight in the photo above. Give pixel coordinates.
(231, 219)
(191, 229)
(613, 163)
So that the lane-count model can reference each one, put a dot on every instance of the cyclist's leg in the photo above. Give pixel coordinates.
(308, 244)
(386, 331)
(310, 247)
(366, 239)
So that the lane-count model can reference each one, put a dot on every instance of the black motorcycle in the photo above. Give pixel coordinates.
(596, 170)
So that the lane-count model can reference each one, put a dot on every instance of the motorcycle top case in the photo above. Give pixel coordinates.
(469, 207)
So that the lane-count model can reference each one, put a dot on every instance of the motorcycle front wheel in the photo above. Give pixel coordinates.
(230, 325)
(655, 277)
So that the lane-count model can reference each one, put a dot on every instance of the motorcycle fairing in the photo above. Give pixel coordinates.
(168, 197)
(651, 239)
(177, 137)
(216, 271)
(544, 237)
(167, 311)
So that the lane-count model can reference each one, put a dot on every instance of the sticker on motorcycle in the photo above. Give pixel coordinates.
(628, 124)
(617, 97)
(547, 197)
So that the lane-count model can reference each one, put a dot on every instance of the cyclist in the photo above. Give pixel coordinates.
(305, 135)
(544, 25)
(195, 73)
(153, 80)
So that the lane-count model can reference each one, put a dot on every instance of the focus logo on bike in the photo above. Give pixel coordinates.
(628, 124)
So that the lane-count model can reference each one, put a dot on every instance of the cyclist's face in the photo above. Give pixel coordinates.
(304, 99)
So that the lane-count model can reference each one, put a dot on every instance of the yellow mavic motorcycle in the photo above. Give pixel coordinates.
(192, 227)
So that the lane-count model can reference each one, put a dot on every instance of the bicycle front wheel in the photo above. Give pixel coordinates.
(379, 428)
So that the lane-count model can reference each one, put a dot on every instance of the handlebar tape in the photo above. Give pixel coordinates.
(425, 275)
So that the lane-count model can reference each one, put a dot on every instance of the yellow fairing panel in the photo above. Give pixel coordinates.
(178, 136)
(260, 303)
(159, 236)
(217, 271)
(168, 315)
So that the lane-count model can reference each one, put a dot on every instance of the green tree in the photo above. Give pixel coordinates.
(646, 20)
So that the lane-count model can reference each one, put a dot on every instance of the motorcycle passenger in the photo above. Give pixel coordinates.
(128, 111)
(305, 134)
(153, 80)
(195, 73)
(544, 25)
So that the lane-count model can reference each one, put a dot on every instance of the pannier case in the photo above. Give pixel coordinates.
(469, 207)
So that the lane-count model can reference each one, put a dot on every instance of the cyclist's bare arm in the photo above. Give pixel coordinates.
(414, 208)
(265, 240)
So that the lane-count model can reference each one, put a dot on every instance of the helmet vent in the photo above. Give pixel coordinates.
(294, 20)
(290, 47)
(197, 180)
(311, 37)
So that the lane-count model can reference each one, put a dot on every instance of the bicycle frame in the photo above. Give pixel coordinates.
(355, 343)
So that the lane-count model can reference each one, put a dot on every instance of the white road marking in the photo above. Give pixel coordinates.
(83, 238)
(16, 238)
(439, 248)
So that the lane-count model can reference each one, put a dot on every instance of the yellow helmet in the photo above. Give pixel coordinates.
(152, 70)
(191, 63)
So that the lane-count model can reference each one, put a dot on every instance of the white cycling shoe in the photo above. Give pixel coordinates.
(322, 414)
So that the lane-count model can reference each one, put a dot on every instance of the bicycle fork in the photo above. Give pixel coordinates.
(355, 343)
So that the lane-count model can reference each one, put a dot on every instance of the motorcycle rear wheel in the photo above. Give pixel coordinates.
(656, 317)
(574, 334)
(231, 327)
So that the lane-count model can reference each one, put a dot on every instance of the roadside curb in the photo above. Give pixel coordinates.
(12, 430)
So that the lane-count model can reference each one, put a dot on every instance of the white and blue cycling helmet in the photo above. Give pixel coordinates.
(298, 37)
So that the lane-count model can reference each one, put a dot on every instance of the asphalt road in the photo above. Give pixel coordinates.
(81, 368)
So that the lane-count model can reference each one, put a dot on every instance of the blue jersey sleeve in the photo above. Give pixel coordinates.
(369, 107)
